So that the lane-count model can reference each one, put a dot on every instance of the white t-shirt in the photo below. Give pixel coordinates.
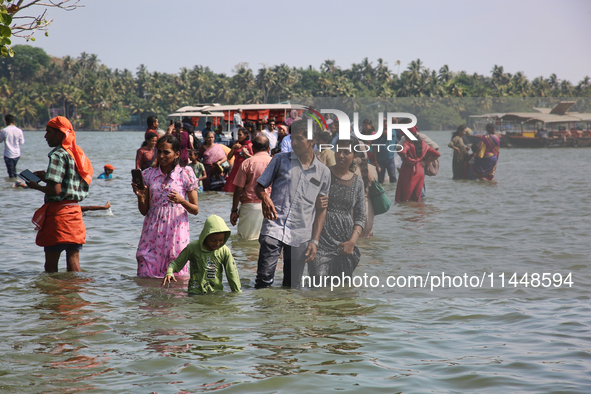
(237, 124)
(272, 137)
(13, 138)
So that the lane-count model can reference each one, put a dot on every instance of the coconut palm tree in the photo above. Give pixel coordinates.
(368, 73)
(566, 88)
(329, 66)
(540, 87)
(414, 70)
(583, 85)
(520, 84)
(224, 93)
(383, 74)
(244, 78)
(265, 80)
(444, 74)
(553, 81)
(26, 108)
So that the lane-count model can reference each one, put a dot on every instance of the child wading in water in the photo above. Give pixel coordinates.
(198, 168)
(208, 258)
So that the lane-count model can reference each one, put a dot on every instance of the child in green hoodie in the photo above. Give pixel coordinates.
(208, 257)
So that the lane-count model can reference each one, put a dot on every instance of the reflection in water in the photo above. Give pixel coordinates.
(156, 299)
(313, 325)
(69, 323)
(417, 212)
(164, 302)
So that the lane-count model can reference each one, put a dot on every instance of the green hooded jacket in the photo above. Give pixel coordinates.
(206, 266)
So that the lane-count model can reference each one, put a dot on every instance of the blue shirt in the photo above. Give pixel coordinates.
(334, 141)
(294, 192)
(286, 144)
(104, 176)
(384, 154)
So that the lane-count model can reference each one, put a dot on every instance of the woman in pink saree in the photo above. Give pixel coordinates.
(487, 155)
(212, 156)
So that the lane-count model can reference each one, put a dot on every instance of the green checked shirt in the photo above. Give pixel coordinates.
(62, 169)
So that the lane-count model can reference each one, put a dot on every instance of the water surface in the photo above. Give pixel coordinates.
(104, 330)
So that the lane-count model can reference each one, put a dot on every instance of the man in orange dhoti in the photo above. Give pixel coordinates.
(67, 179)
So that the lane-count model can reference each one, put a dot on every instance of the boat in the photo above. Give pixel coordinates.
(546, 128)
(254, 112)
(225, 113)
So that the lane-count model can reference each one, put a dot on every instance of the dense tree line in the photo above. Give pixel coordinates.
(33, 85)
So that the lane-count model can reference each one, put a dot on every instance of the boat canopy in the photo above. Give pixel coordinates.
(557, 114)
(256, 112)
(530, 117)
(252, 107)
(196, 112)
(562, 107)
(199, 114)
(250, 112)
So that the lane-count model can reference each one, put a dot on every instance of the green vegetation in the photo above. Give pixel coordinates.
(34, 87)
(24, 18)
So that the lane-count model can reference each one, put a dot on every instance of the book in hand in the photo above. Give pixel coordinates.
(28, 176)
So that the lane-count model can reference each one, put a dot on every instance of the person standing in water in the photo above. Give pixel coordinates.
(250, 211)
(13, 138)
(108, 174)
(170, 194)
(208, 257)
(293, 213)
(460, 157)
(486, 154)
(67, 180)
(412, 174)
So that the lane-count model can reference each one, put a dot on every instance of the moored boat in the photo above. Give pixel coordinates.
(547, 128)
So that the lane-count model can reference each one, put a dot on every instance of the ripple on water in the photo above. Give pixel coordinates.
(106, 331)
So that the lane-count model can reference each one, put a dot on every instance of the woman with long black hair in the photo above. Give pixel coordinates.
(170, 193)
(345, 217)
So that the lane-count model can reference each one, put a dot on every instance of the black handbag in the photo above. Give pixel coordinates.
(216, 182)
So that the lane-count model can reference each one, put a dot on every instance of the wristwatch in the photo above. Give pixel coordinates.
(234, 210)
(314, 242)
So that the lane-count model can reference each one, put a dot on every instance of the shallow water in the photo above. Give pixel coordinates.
(104, 330)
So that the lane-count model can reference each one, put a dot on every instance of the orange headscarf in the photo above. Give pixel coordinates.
(83, 165)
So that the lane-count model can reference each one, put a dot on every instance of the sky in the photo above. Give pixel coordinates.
(536, 37)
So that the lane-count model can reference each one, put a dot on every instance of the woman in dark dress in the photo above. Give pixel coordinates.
(345, 218)
(460, 158)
